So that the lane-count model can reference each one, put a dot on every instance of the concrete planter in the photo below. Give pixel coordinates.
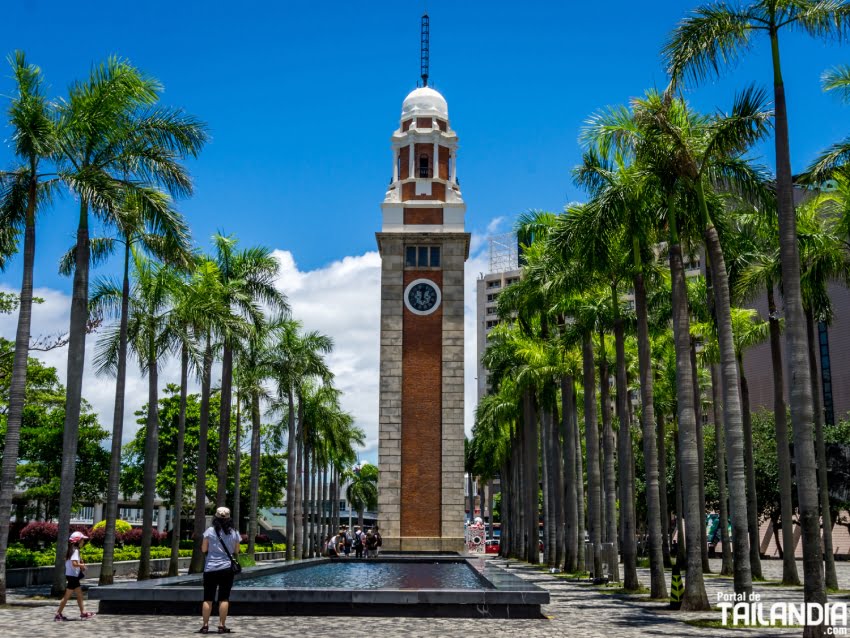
(32, 576)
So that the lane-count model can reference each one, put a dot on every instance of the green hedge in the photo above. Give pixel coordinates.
(19, 556)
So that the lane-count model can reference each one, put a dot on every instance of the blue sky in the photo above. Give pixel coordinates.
(301, 99)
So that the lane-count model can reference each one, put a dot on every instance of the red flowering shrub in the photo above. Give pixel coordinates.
(262, 539)
(133, 537)
(38, 532)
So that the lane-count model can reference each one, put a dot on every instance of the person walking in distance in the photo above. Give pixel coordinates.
(75, 570)
(371, 545)
(378, 541)
(358, 542)
(220, 544)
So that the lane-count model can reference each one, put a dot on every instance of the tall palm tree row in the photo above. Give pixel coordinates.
(703, 44)
(667, 186)
(121, 153)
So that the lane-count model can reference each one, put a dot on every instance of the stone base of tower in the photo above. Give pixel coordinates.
(423, 544)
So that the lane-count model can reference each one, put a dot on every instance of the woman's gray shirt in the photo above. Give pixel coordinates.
(216, 558)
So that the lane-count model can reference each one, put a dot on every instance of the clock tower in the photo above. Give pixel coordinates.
(423, 247)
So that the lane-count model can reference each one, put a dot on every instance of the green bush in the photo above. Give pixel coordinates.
(272, 547)
(18, 556)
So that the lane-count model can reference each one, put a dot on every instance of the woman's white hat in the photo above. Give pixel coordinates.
(222, 512)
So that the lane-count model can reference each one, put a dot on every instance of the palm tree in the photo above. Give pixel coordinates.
(112, 140)
(21, 193)
(151, 340)
(620, 204)
(362, 491)
(824, 258)
(162, 233)
(207, 293)
(194, 311)
(253, 362)
(248, 279)
(756, 268)
(712, 37)
(748, 331)
(296, 360)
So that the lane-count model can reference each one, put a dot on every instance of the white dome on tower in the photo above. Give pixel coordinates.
(425, 101)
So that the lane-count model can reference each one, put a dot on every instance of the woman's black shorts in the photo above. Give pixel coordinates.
(73, 582)
(222, 580)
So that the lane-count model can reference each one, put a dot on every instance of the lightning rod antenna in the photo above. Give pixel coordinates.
(424, 48)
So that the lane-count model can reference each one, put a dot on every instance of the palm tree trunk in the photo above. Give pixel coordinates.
(662, 490)
(291, 454)
(658, 587)
(106, 566)
(326, 502)
(557, 488)
(681, 546)
(197, 565)
(568, 437)
(304, 477)
(174, 564)
(594, 482)
(695, 597)
(783, 456)
(624, 441)
(726, 567)
(335, 493)
(548, 555)
(580, 521)
(255, 471)
(299, 481)
(224, 423)
(610, 479)
(733, 423)
(314, 519)
(706, 568)
(752, 497)
(532, 478)
(799, 376)
(151, 463)
(17, 385)
(831, 577)
(237, 465)
(73, 394)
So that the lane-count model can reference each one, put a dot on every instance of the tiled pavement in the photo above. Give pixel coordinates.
(575, 610)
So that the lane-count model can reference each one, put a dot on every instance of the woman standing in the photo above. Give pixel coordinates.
(220, 545)
(74, 571)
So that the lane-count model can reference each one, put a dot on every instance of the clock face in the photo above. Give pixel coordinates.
(422, 297)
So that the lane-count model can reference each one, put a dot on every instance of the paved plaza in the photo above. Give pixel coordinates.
(576, 609)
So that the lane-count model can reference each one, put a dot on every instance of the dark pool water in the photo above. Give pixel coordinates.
(372, 575)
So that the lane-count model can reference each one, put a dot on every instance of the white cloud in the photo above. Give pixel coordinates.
(341, 300)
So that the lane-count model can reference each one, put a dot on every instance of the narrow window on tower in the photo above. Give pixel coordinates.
(424, 168)
(422, 257)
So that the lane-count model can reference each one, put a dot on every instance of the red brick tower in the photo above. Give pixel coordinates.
(423, 247)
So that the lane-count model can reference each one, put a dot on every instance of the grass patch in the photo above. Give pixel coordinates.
(245, 560)
(711, 623)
